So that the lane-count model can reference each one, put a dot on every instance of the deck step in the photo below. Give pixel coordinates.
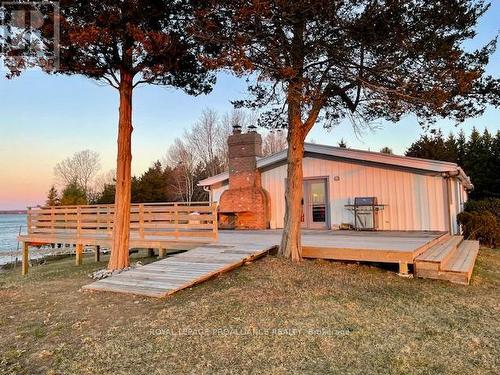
(440, 252)
(460, 266)
(456, 265)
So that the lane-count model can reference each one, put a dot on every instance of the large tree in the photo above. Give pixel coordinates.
(326, 60)
(123, 43)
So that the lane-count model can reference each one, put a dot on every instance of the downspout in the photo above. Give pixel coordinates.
(209, 191)
(448, 176)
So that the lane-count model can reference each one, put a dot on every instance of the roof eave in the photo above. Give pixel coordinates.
(359, 155)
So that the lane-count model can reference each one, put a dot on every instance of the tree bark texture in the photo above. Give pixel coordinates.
(121, 230)
(290, 241)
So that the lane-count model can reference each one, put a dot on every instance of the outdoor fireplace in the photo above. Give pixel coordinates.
(245, 204)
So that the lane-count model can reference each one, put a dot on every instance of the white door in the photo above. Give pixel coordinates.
(314, 204)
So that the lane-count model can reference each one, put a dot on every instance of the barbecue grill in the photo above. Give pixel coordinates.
(365, 211)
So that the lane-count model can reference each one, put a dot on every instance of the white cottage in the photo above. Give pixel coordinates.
(411, 194)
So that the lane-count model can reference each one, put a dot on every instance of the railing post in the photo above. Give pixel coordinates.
(108, 220)
(30, 221)
(52, 221)
(215, 221)
(176, 218)
(78, 222)
(79, 254)
(26, 259)
(97, 220)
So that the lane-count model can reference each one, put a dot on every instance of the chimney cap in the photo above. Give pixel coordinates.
(236, 128)
(252, 128)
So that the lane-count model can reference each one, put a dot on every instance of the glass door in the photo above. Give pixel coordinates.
(314, 204)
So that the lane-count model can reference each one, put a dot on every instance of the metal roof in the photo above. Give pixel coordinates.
(357, 155)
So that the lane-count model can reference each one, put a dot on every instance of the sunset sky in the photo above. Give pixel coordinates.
(44, 119)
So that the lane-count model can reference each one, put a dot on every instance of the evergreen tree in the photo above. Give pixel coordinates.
(324, 61)
(479, 157)
(475, 163)
(431, 147)
(107, 196)
(53, 197)
(73, 195)
(122, 43)
(154, 185)
(495, 166)
(488, 160)
(451, 151)
(461, 146)
(386, 150)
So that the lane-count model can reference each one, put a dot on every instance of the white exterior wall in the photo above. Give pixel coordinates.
(415, 201)
(216, 191)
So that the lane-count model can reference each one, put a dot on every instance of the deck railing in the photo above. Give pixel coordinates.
(147, 220)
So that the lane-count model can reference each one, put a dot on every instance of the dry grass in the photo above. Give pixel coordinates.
(334, 317)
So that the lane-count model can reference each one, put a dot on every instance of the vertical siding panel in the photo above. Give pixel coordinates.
(441, 202)
(394, 201)
(431, 203)
(408, 201)
(399, 199)
(403, 201)
(386, 216)
(440, 213)
(415, 201)
(431, 213)
(421, 197)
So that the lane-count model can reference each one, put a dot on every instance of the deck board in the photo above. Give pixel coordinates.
(440, 251)
(464, 259)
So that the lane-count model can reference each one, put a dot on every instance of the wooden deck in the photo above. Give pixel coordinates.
(234, 248)
(211, 252)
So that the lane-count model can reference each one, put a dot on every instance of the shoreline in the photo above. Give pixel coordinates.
(9, 258)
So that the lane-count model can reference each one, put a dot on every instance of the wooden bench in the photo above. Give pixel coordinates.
(152, 225)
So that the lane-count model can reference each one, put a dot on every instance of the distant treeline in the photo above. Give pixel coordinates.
(13, 212)
(478, 155)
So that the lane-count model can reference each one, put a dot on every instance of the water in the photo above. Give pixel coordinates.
(9, 230)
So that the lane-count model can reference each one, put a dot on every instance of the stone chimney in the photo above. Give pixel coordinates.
(245, 205)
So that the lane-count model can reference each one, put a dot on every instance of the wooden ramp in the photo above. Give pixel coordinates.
(180, 271)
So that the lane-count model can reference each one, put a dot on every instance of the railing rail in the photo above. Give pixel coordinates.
(147, 220)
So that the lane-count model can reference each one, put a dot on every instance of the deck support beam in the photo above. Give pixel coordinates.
(79, 255)
(26, 259)
(97, 253)
(151, 252)
(162, 253)
(403, 269)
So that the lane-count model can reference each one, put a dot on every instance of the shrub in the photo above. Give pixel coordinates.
(481, 226)
(491, 205)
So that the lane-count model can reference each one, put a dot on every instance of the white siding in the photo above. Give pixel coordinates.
(216, 192)
(415, 201)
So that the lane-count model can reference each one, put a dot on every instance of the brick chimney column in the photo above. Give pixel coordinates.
(243, 152)
(245, 200)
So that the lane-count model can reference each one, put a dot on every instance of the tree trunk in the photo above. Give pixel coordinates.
(290, 241)
(121, 231)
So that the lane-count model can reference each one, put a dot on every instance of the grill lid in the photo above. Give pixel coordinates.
(365, 201)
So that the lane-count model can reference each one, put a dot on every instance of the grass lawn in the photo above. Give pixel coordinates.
(270, 316)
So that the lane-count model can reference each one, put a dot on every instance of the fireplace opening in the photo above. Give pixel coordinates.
(227, 220)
